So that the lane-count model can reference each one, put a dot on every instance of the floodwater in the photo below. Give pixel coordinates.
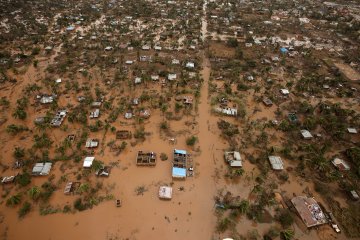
(189, 215)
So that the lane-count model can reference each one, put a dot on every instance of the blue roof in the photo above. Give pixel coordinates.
(284, 50)
(180, 151)
(178, 172)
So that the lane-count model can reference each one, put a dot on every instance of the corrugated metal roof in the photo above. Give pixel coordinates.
(178, 172)
(42, 168)
(276, 162)
(180, 151)
(235, 163)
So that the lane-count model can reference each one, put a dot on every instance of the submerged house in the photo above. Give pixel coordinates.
(227, 111)
(340, 164)
(146, 158)
(92, 143)
(284, 92)
(42, 169)
(123, 134)
(45, 98)
(233, 158)
(95, 113)
(71, 187)
(179, 164)
(165, 192)
(58, 118)
(88, 161)
(104, 171)
(145, 113)
(276, 162)
(172, 76)
(267, 102)
(306, 134)
(309, 211)
(8, 179)
(352, 130)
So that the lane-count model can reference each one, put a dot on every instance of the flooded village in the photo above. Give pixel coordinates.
(172, 119)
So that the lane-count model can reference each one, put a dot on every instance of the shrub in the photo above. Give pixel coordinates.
(191, 141)
(67, 209)
(139, 133)
(49, 189)
(20, 113)
(164, 125)
(19, 153)
(13, 200)
(163, 157)
(140, 190)
(285, 218)
(23, 179)
(46, 210)
(287, 234)
(25, 209)
(42, 141)
(232, 42)
(15, 129)
(79, 205)
(223, 225)
(34, 193)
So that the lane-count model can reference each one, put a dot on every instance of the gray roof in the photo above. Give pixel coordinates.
(42, 168)
(276, 163)
(306, 134)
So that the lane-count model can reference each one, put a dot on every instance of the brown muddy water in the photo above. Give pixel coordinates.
(189, 215)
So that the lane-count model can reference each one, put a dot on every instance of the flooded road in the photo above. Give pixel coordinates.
(204, 22)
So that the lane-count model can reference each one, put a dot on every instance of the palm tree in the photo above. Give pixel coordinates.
(244, 206)
(287, 234)
(97, 165)
(34, 193)
(84, 187)
(14, 200)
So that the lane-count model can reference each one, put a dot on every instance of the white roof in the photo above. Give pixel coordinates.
(95, 114)
(341, 164)
(128, 115)
(276, 162)
(284, 91)
(155, 77)
(91, 143)
(306, 134)
(235, 163)
(137, 80)
(172, 76)
(352, 130)
(190, 65)
(46, 99)
(88, 161)
(165, 192)
(227, 111)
